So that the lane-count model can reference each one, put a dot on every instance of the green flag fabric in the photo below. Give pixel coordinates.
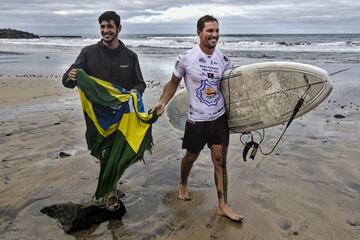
(118, 131)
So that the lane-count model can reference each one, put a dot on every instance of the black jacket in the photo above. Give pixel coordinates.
(120, 66)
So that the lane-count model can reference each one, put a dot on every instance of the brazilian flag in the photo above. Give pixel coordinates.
(118, 131)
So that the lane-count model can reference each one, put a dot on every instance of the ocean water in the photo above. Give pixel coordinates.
(53, 55)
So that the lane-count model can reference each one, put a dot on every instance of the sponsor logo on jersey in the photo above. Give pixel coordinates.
(202, 60)
(207, 93)
(226, 58)
(210, 92)
(202, 73)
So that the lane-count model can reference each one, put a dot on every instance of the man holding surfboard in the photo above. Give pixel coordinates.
(109, 60)
(202, 68)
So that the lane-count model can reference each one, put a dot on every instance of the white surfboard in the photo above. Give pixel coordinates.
(261, 95)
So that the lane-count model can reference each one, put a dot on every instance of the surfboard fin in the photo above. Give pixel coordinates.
(254, 151)
(247, 148)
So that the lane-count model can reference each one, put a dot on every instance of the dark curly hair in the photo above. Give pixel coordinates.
(110, 15)
(201, 22)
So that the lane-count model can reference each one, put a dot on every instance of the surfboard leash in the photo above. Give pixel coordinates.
(225, 177)
(256, 146)
(342, 70)
(295, 111)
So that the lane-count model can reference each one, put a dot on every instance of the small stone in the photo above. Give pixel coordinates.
(63, 154)
(339, 116)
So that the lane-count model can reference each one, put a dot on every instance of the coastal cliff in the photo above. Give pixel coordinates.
(12, 33)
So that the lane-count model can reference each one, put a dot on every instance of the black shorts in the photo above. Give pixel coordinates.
(197, 134)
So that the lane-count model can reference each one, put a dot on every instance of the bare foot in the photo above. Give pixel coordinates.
(226, 211)
(183, 193)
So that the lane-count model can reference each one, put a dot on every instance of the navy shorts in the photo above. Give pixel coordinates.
(197, 134)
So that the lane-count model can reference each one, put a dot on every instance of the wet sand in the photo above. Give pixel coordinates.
(309, 188)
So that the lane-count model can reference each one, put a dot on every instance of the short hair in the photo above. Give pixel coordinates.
(110, 15)
(201, 22)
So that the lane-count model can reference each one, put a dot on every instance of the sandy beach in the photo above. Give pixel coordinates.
(309, 188)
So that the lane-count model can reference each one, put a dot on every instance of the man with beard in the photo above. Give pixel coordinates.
(202, 68)
(109, 60)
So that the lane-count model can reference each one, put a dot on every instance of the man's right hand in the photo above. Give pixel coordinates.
(167, 94)
(72, 74)
(159, 108)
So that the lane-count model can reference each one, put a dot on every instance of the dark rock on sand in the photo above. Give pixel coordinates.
(63, 154)
(354, 223)
(339, 116)
(76, 217)
(12, 33)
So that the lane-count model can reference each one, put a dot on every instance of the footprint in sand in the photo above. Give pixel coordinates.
(285, 224)
(354, 187)
(171, 199)
(217, 225)
(141, 205)
(193, 210)
(258, 196)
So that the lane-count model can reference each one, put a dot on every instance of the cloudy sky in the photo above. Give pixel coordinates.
(77, 17)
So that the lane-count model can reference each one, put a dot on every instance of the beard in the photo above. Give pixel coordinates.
(210, 44)
(108, 37)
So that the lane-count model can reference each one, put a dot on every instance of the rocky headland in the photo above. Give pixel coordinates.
(13, 33)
